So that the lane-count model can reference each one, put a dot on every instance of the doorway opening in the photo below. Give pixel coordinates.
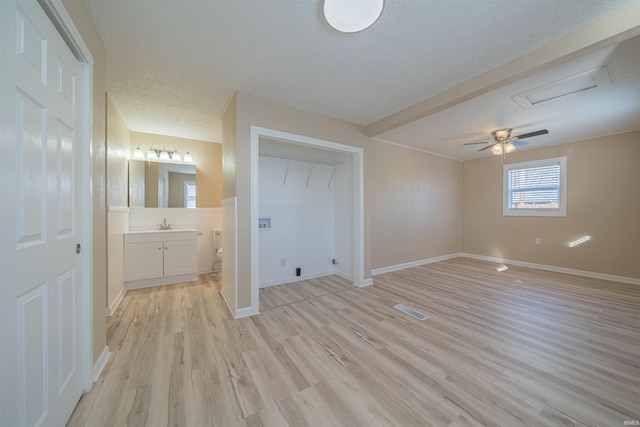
(339, 161)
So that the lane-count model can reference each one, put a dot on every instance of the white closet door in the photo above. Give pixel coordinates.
(41, 363)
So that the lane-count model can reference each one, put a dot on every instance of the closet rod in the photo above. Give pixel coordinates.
(293, 158)
(311, 163)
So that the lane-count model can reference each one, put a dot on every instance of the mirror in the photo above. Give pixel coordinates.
(161, 184)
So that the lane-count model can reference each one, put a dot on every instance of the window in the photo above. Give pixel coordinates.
(189, 194)
(537, 188)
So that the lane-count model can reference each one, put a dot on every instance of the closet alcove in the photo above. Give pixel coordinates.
(306, 196)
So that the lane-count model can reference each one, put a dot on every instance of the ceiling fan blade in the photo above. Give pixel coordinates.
(487, 147)
(530, 134)
(519, 143)
(481, 142)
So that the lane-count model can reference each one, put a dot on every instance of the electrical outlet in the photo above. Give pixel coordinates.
(537, 241)
(283, 262)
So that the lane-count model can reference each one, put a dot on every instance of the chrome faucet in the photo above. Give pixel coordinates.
(164, 225)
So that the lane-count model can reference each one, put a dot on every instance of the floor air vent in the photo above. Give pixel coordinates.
(410, 312)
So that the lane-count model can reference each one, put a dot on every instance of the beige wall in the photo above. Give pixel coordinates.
(82, 20)
(228, 210)
(229, 150)
(415, 204)
(117, 157)
(603, 201)
(412, 199)
(207, 156)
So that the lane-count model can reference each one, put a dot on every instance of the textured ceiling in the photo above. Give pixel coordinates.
(172, 66)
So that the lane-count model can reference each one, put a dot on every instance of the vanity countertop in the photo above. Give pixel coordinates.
(173, 230)
(142, 236)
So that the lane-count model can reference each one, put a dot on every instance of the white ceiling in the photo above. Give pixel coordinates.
(172, 66)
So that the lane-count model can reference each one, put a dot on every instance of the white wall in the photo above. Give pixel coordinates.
(205, 220)
(117, 224)
(343, 218)
(302, 221)
(229, 270)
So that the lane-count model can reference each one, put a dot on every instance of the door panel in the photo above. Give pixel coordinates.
(68, 335)
(66, 179)
(31, 148)
(33, 387)
(41, 348)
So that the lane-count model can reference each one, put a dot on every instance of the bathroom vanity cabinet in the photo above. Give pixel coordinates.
(153, 258)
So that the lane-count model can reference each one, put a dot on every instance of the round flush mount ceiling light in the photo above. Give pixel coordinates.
(351, 16)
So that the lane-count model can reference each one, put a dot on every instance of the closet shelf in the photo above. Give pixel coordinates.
(311, 162)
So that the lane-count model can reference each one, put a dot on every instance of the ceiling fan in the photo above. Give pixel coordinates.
(503, 141)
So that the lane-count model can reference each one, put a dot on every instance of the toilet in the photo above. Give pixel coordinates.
(217, 247)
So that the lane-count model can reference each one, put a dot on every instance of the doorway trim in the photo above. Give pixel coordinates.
(61, 20)
(358, 201)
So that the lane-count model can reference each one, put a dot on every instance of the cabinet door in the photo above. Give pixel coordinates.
(179, 257)
(143, 261)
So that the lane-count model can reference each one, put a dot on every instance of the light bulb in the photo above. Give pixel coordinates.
(508, 148)
(138, 154)
(152, 155)
(187, 157)
(176, 157)
(497, 149)
(164, 155)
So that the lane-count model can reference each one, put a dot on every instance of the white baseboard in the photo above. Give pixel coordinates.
(347, 276)
(240, 313)
(344, 275)
(246, 312)
(100, 363)
(391, 268)
(365, 283)
(284, 281)
(230, 306)
(584, 273)
(114, 305)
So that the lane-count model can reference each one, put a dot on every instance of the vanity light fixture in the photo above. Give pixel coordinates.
(349, 16)
(188, 158)
(175, 157)
(138, 154)
(152, 154)
(163, 155)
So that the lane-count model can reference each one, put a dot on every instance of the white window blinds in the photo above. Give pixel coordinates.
(535, 188)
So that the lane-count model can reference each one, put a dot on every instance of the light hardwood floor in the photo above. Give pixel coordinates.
(520, 347)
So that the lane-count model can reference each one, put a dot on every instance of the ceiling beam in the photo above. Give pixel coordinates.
(612, 30)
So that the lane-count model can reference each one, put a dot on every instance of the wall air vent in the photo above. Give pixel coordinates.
(576, 84)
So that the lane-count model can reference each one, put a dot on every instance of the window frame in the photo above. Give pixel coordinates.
(561, 211)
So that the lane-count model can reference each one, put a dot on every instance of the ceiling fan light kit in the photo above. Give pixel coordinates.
(503, 148)
(502, 143)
